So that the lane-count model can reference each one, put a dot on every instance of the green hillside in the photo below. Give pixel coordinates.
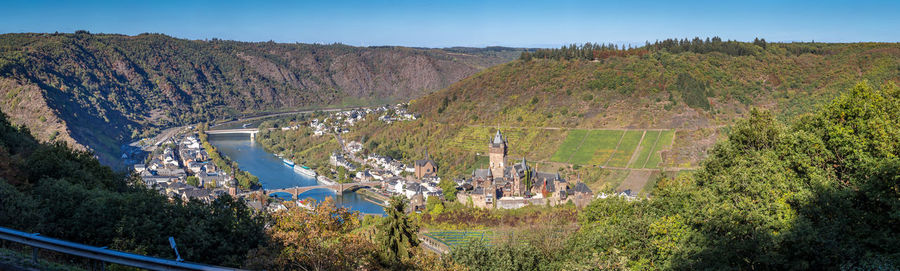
(660, 89)
(557, 111)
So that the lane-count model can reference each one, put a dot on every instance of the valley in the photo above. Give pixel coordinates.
(677, 154)
(70, 86)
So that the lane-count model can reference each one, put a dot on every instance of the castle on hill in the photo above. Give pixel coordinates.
(505, 185)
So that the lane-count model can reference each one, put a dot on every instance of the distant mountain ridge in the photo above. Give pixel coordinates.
(99, 90)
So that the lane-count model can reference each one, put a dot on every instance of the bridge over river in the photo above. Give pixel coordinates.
(250, 131)
(337, 188)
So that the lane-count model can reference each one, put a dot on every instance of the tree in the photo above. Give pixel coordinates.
(192, 180)
(341, 174)
(434, 206)
(397, 234)
(527, 179)
(325, 238)
(449, 189)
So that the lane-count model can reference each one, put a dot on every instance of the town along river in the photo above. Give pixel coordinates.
(274, 174)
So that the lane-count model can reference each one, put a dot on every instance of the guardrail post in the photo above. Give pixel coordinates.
(34, 253)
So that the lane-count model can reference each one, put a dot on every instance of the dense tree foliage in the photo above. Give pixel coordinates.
(595, 51)
(397, 234)
(64, 193)
(587, 51)
(325, 238)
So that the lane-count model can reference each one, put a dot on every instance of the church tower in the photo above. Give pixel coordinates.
(497, 154)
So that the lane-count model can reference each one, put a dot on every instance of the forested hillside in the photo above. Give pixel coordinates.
(102, 90)
(661, 85)
(63, 193)
(697, 88)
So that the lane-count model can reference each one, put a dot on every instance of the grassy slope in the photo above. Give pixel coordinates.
(645, 148)
(597, 147)
(626, 148)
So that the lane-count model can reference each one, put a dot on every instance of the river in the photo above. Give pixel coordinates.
(274, 174)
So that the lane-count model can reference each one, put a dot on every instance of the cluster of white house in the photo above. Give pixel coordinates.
(339, 121)
(168, 171)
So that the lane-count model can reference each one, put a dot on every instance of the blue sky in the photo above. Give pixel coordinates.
(428, 23)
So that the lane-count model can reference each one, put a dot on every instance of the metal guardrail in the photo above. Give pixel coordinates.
(100, 254)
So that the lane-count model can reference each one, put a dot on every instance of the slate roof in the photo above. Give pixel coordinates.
(498, 140)
(423, 162)
(482, 173)
(478, 190)
(582, 188)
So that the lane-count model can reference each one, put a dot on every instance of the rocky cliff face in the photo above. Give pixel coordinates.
(102, 90)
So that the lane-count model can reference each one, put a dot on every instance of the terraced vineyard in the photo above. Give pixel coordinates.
(645, 149)
(623, 154)
(453, 239)
(614, 148)
(597, 147)
(665, 141)
(569, 146)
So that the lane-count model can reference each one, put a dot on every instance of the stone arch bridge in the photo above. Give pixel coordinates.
(337, 188)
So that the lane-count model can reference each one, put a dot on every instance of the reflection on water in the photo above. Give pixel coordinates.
(273, 174)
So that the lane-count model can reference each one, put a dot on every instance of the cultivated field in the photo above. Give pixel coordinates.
(625, 151)
(614, 148)
(619, 151)
(664, 142)
(569, 146)
(645, 149)
(453, 239)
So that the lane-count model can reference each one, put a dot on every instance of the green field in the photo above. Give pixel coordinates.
(458, 238)
(645, 149)
(568, 147)
(664, 142)
(597, 147)
(614, 148)
(625, 150)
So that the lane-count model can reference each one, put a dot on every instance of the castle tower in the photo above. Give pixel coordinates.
(497, 154)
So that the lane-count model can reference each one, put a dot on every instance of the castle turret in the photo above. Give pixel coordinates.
(497, 154)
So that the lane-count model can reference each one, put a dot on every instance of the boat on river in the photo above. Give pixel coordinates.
(288, 162)
(305, 171)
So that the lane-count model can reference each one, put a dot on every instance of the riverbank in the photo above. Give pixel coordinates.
(244, 179)
(372, 196)
(274, 174)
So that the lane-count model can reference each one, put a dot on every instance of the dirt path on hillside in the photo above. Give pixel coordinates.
(635, 181)
(637, 151)
(653, 150)
(617, 148)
